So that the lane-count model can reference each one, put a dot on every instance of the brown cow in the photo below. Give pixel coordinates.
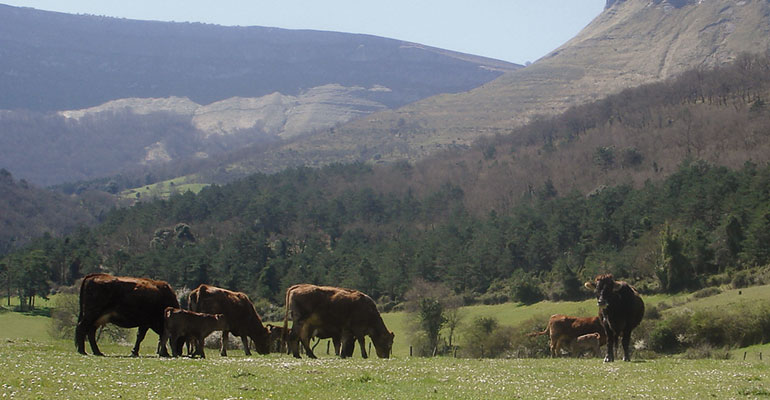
(331, 311)
(240, 313)
(564, 329)
(588, 342)
(621, 309)
(188, 326)
(126, 302)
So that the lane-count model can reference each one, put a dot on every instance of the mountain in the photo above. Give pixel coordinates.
(228, 86)
(630, 43)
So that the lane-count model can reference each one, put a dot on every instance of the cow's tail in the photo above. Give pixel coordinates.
(545, 332)
(80, 306)
(285, 333)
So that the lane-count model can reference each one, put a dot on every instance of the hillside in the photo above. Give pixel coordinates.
(632, 42)
(220, 88)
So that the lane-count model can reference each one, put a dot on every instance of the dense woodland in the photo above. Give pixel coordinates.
(666, 185)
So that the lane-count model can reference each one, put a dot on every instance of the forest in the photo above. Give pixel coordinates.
(666, 185)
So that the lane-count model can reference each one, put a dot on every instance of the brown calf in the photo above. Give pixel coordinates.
(183, 325)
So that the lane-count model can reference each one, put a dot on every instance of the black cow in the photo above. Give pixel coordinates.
(621, 310)
(126, 302)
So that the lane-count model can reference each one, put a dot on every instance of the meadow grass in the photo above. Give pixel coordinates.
(34, 365)
(49, 369)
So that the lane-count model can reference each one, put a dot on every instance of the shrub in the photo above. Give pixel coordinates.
(707, 292)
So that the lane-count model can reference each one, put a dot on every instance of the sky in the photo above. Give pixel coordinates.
(518, 31)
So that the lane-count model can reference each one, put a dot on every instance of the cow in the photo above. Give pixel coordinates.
(181, 326)
(126, 302)
(240, 313)
(276, 335)
(564, 329)
(331, 311)
(621, 310)
(588, 342)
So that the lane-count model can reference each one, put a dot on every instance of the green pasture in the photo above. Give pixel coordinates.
(164, 189)
(34, 365)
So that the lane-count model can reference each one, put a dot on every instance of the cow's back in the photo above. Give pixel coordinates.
(235, 306)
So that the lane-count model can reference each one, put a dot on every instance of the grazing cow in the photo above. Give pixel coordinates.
(276, 335)
(126, 302)
(564, 329)
(327, 311)
(188, 326)
(241, 316)
(588, 342)
(621, 310)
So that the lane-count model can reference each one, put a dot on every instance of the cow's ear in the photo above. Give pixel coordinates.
(590, 285)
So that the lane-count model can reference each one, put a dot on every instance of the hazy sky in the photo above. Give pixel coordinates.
(511, 30)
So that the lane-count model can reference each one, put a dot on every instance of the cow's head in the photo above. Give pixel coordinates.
(604, 286)
(383, 343)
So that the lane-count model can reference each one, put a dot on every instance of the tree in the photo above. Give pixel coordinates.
(675, 268)
(431, 314)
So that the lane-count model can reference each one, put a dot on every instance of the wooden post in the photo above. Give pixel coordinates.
(455, 352)
(744, 355)
(760, 356)
(435, 351)
(370, 347)
(410, 350)
(327, 347)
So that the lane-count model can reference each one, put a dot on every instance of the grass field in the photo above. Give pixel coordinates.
(33, 365)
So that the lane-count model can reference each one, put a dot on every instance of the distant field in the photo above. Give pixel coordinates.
(163, 189)
(33, 365)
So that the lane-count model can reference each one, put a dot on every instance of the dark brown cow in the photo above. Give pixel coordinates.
(182, 326)
(621, 310)
(331, 311)
(564, 329)
(240, 313)
(126, 302)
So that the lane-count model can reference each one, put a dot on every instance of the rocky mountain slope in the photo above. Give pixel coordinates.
(630, 43)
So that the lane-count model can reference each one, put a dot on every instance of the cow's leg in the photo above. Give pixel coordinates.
(171, 339)
(91, 332)
(81, 331)
(199, 346)
(304, 337)
(361, 342)
(140, 333)
(245, 341)
(612, 339)
(626, 346)
(225, 338)
(337, 346)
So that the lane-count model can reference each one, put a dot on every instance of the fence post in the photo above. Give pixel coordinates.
(410, 350)
(455, 352)
(744, 355)
(370, 348)
(327, 347)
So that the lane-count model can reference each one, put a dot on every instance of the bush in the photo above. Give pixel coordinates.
(526, 292)
(64, 316)
(707, 292)
(485, 338)
(741, 279)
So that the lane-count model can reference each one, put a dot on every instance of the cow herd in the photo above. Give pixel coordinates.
(620, 311)
(346, 316)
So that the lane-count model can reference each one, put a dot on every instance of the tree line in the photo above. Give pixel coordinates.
(265, 233)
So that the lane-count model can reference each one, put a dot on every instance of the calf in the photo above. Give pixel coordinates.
(621, 310)
(182, 325)
(588, 342)
(565, 329)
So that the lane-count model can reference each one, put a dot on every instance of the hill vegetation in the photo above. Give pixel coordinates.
(600, 188)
